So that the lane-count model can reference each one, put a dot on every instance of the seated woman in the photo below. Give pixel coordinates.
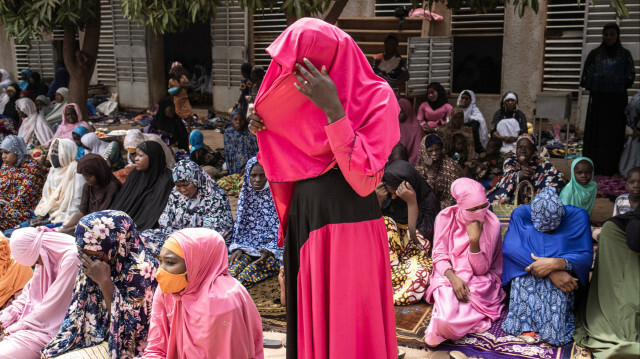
(410, 208)
(581, 190)
(606, 322)
(473, 118)
(145, 193)
(55, 116)
(111, 306)
(13, 275)
(434, 112)
(100, 188)
(547, 253)
(169, 125)
(44, 105)
(467, 264)
(33, 130)
(411, 132)
(110, 151)
(62, 192)
(71, 118)
(195, 202)
(509, 109)
(32, 320)
(438, 169)
(77, 134)
(525, 165)
(239, 143)
(254, 250)
(211, 161)
(134, 138)
(21, 181)
(456, 127)
(199, 310)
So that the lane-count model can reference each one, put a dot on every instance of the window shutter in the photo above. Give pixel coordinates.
(386, 8)
(228, 34)
(465, 22)
(429, 59)
(106, 61)
(267, 26)
(40, 57)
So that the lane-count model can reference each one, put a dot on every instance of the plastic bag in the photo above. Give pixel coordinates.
(107, 108)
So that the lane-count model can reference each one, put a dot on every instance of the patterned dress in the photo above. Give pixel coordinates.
(209, 208)
(410, 265)
(125, 325)
(239, 147)
(545, 176)
(256, 228)
(21, 187)
(440, 180)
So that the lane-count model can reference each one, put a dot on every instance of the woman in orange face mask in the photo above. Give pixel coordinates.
(199, 310)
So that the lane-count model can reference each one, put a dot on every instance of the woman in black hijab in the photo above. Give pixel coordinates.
(608, 73)
(10, 108)
(410, 208)
(169, 124)
(146, 190)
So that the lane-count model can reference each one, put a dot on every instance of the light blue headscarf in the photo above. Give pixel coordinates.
(196, 139)
(25, 83)
(547, 210)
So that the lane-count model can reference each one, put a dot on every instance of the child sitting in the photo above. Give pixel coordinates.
(629, 201)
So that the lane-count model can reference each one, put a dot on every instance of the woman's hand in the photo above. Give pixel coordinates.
(564, 281)
(527, 172)
(264, 254)
(381, 193)
(235, 255)
(543, 266)
(320, 89)
(406, 192)
(99, 271)
(67, 230)
(255, 123)
(460, 288)
(474, 230)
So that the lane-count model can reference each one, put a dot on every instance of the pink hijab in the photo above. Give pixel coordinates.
(66, 129)
(214, 316)
(295, 145)
(47, 296)
(451, 248)
(411, 132)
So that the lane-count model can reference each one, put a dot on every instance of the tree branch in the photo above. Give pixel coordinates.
(335, 12)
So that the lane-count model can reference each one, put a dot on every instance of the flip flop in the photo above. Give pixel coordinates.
(271, 344)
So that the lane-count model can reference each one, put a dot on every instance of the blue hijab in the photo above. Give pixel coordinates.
(196, 140)
(25, 83)
(571, 241)
(80, 131)
(257, 223)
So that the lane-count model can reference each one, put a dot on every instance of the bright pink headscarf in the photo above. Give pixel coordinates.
(451, 248)
(65, 129)
(44, 301)
(214, 316)
(411, 132)
(295, 144)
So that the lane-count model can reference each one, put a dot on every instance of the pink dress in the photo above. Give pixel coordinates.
(322, 178)
(453, 319)
(411, 132)
(36, 316)
(214, 316)
(65, 130)
(428, 117)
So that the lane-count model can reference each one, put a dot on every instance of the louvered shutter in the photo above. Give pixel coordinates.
(465, 22)
(106, 61)
(228, 34)
(385, 8)
(267, 26)
(429, 59)
(40, 57)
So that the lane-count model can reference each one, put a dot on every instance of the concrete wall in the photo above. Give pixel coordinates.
(7, 59)
(225, 97)
(359, 8)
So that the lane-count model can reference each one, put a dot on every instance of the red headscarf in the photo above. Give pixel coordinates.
(295, 145)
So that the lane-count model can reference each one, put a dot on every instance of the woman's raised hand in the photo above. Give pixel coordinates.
(320, 89)
(406, 192)
(255, 123)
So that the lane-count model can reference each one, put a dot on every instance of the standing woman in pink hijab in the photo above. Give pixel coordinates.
(33, 319)
(71, 118)
(326, 125)
(199, 310)
(467, 266)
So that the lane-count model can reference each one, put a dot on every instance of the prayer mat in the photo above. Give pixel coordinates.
(274, 315)
(496, 344)
(411, 322)
(610, 186)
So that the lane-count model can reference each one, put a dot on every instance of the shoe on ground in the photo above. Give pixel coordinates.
(457, 355)
(271, 344)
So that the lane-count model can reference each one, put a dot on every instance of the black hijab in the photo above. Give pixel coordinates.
(144, 194)
(428, 204)
(10, 108)
(630, 223)
(171, 125)
(442, 96)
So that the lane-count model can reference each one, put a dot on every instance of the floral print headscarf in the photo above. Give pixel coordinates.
(133, 268)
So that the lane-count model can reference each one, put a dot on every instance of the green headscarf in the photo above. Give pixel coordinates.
(578, 195)
(55, 116)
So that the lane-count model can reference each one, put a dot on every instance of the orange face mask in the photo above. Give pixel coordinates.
(171, 283)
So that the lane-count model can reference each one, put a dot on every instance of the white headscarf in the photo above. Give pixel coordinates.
(62, 191)
(472, 113)
(5, 80)
(94, 144)
(34, 124)
(4, 99)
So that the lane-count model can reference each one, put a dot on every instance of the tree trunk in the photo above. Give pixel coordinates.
(335, 11)
(80, 71)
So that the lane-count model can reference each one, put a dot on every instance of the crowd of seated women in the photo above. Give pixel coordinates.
(131, 253)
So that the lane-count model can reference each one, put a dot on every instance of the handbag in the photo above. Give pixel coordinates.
(503, 211)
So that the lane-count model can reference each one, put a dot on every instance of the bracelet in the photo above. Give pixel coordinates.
(568, 267)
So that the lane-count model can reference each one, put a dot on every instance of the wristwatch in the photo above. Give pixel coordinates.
(568, 267)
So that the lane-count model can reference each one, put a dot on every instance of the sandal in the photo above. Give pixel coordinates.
(271, 344)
